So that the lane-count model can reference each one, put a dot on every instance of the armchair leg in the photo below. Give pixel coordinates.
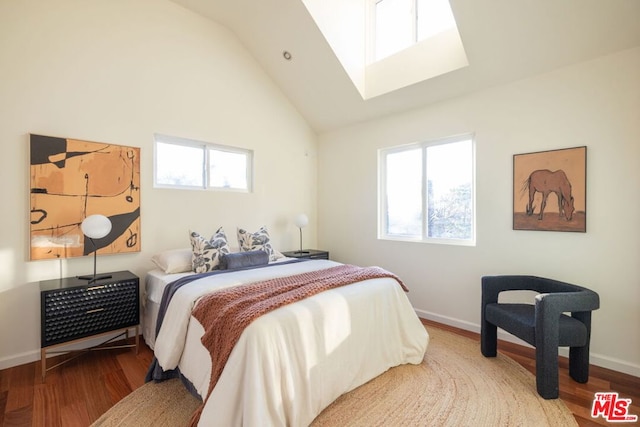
(579, 363)
(489, 339)
(579, 356)
(547, 371)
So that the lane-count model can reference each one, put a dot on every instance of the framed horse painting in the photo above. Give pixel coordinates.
(549, 190)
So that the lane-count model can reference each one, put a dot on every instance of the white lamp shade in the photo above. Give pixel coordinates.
(96, 226)
(301, 221)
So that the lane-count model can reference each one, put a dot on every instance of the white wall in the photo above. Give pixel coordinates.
(343, 24)
(596, 104)
(117, 71)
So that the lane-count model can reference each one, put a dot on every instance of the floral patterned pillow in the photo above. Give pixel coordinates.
(257, 241)
(206, 254)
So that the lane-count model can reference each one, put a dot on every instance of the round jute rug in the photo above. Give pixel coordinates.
(454, 386)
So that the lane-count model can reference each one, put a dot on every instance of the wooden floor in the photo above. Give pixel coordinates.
(78, 392)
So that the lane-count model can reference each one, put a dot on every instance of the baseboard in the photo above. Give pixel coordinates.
(467, 326)
(34, 356)
(615, 364)
(594, 358)
(19, 359)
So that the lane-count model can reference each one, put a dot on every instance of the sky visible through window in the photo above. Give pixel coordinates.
(399, 24)
(179, 165)
(186, 163)
(228, 170)
(404, 192)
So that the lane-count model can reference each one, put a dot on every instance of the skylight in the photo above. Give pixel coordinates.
(399, 24)
(386, 45)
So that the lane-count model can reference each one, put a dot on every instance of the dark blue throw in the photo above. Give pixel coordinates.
(237, 260)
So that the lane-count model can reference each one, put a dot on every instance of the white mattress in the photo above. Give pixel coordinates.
(154, 283)
(291, 363)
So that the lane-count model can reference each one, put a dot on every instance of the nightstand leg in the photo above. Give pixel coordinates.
(43, 362)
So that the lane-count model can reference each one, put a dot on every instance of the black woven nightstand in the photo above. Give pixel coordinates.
(73, 310)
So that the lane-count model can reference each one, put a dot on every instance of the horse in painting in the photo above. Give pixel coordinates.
(546, 182)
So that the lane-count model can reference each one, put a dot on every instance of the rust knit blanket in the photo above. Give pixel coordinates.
(224, 314)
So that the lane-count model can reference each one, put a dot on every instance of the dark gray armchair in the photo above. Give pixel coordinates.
(542, 325)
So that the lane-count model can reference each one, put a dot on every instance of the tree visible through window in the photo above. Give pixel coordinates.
(426, 191)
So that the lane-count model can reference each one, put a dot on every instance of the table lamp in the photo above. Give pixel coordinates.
(95, 227)
(301, 221)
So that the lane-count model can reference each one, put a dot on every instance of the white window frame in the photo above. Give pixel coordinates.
(382, 193)
(205, 146)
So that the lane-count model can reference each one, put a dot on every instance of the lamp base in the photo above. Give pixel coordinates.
(92, 278)
(301, 252)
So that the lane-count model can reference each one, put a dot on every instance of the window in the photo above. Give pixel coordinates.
(399, 24)
(185, 163)
(427, 191)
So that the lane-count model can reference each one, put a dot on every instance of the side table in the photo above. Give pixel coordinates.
(73, 310)
(307, 254)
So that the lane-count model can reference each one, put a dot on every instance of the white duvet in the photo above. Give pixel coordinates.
(291, 363)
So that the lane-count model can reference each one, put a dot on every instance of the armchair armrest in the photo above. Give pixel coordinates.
(493, 285)
(561, 302)
(568, 297)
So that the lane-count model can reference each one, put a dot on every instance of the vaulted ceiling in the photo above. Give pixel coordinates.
(505, 40)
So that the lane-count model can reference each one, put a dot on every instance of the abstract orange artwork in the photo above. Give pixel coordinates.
(72, 179)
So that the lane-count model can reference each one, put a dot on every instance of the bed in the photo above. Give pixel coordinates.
(290, 363)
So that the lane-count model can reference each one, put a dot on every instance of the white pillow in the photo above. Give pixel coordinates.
(174, 260)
